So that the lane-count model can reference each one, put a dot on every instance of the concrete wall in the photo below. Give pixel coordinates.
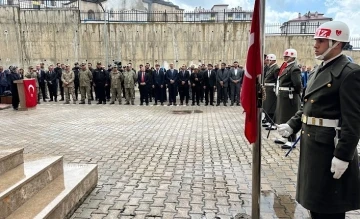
(29, 37)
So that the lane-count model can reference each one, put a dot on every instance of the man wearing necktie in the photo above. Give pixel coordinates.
(209, 84)
(184, 77)
(236, 77)
(222, 82)
(158, 84)
(52, 83)
(143, 80)
(328, 171)
(172, 79)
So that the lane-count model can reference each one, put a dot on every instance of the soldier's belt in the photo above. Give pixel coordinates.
(269, 84)
(286, 88)
(331, 123)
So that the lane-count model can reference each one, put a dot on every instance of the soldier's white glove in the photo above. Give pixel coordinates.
(338, 167)
(284, 130)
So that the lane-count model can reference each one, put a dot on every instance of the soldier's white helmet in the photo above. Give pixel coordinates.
(290, 53)
(271, 57)
(332, 30)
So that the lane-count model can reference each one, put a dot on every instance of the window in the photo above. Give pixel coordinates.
(238, 15)
(53, 3)
(10, 2)
(303, 27)
(91, 15)
(111, 13)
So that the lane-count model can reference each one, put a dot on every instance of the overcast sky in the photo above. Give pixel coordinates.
(278, 11)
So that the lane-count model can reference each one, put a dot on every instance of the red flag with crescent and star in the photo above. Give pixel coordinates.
(252, 70)
(30, 92)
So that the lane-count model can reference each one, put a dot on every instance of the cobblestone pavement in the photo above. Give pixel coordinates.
(157, 164)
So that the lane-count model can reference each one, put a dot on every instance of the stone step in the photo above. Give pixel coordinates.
(61, 197)
(36, 175)
(10, 158)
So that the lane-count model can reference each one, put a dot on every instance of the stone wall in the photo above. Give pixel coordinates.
(29, 37)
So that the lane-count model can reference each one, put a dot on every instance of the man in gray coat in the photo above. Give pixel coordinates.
(236, 77)
(222, 82)
(328, 177)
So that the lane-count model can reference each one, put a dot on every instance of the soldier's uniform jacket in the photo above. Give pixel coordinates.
(129, 79)
(85, 77)
(332, 93)
(116, 78)
(290, 79)
(68, 77)
(270, 79)
(33, 75)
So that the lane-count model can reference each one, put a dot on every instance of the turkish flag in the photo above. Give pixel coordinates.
(30, 92)
(253, 68)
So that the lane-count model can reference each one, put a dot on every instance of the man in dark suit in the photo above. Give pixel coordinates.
(42, 81)
(143, 80)
(209, 82)
(172, 78)
(51, 79)
(236, 77)
(222, 82)
(59, 69)
(158, 84)
(184, 77)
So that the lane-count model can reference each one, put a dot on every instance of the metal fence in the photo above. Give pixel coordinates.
(41, 5)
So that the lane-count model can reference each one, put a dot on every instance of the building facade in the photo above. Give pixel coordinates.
(304, 24)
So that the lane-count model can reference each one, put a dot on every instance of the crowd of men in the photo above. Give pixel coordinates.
(195, 84)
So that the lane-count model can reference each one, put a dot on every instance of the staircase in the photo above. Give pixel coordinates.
(42, 187)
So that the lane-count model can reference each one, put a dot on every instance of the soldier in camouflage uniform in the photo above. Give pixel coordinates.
(85, 78)
(32, 74)
(129, 83)
(68, 78)
(116, 79)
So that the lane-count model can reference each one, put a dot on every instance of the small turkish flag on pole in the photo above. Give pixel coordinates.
(253, 68)
(30, 92)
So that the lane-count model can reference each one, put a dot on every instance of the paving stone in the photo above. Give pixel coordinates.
(168, 167)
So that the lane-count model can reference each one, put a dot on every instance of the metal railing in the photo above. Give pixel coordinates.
(41, 5)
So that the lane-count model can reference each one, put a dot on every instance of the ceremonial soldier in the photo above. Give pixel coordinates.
(184, 77)
(328, 177)
(288, 90)
(158, 85)
(116, 79)
(129, 83)
(101, 80)
(236, 77)
(85, 78)
(222, 82)
(68, 78)
(269, 104)
(32, 74)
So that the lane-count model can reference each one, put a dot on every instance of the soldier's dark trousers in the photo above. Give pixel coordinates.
(222, 94)
(43, 90)
(77, 85)
(61, 89)
(159, 94)
(327, 216)
(184, 94)
(292, 138)
(100, 89)
(195, 91)
(172, 93)
(144, 94)
(209, 91)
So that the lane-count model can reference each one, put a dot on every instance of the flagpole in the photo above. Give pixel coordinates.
(256, 156)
